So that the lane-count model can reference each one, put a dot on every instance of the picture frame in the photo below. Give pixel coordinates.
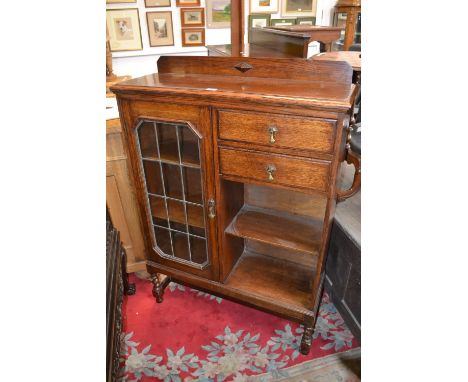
(193, 37)
(264, 6)
(124, 29)
(120, 1)
(192, 17)
(160, 28)
(261, 20)
(157, 3)
(284, 22)
(305, 21)
(187, 3)
(218, 14)
(298, 7)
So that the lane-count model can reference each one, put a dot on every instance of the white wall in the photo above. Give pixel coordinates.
(141, 62)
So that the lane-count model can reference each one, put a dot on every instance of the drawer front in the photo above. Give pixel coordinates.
(274, 169)
(277, 130)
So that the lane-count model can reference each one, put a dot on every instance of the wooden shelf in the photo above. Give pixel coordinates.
(297, 232)
(170, 155)
(273, 278)
(177, 214)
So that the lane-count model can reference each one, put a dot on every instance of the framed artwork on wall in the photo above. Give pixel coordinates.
(119, 1)
(157, 3)
(160, 30)
(188, 3)
(192, 17)
(298, 7)
(305, 21)
(264, 6)
(193, 37)
(285, 22)
(259, 21)
(218, 14)
(124, 29)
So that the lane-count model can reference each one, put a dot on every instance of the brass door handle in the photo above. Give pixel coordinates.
(211, 209)
(272, 130)
(270, 169)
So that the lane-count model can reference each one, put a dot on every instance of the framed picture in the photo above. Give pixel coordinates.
(119, 1)
(193, 37)
(284, 22)
(157, 3)
(305, 21)
(188, 3)
(218, 14)
(160, 30)
(124, 29)
(264, 6)
(192, 17)
(259, 21)
(298, 7)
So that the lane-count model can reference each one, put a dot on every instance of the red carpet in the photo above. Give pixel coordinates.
(193, 336)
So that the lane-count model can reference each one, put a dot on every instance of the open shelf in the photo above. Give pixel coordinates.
(273, 278)
(297, 232)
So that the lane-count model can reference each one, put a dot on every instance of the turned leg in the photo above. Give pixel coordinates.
(306, 339)
(129, 288)
(158, 289)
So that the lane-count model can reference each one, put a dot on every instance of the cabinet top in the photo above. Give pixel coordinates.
(285, 81)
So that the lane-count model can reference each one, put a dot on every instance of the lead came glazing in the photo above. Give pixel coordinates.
(170, 160)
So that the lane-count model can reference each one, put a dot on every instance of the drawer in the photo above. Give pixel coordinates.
(277, 130)
(275, 169)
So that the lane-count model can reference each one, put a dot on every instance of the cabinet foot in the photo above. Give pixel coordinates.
(306, 340)
(130, 289)
(158, 288)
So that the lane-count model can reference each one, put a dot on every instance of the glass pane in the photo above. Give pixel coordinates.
(192, 181)
(163, 240)
(180, 242)
(189, 146)
(158, 211)
(148, 140)
(172, 181)
(174, 190)
(198, 247)
(196, 220)
(153, 177)
(177, 215)
(167, 139)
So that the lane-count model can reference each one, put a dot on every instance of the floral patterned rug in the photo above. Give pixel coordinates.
(194, 336)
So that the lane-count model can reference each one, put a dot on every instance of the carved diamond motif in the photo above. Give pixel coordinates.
(243, 67)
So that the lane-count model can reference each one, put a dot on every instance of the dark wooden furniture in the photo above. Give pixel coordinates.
(324, 35)
(236, 162)
(281, 41)
(116, 285)
(348, 14)
(343, 270)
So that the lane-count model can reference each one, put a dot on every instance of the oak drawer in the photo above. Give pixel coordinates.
(285, 170)
(288, 132)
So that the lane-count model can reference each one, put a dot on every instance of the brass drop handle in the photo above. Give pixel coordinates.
(211, 209)
(272, 130)
(270, 169)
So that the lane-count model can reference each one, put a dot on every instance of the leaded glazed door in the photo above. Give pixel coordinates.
(173, 153)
